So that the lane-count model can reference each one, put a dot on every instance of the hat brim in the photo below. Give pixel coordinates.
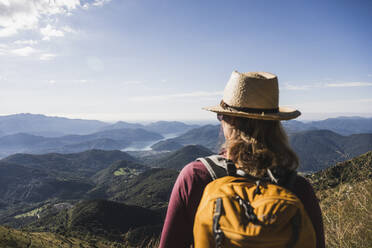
(284, 113)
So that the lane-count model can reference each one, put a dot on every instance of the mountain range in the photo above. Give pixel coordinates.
(115, 139)
(48, 126)
(85, 187)
(341, 125)
(161, 127)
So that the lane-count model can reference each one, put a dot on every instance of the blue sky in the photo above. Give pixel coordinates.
(137, 60)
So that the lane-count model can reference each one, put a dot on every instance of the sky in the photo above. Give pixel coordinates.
(146, 60)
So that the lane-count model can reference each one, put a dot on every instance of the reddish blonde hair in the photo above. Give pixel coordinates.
(255, 145)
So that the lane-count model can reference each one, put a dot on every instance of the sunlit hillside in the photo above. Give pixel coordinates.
(345, 193)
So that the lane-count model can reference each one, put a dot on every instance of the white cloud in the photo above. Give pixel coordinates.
(25, 51)
(7, 31)
(68, 29)
(85, 6)
(49, 31)
(349, 84)
(95, 3)
(25, 42)
(47, 56)
(100, 2)
(52, 81)
(199, 94)
(288, 86)
(18, 15)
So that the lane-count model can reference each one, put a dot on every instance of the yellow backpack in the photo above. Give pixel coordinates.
(242, 211)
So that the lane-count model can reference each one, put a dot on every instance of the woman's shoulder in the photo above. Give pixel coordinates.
(302, 182)
(304, 190)
(194, 165)
(195, 169)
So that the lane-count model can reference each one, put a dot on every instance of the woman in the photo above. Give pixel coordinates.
(255, 141)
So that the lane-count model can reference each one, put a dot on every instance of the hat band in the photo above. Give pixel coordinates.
(249, 110)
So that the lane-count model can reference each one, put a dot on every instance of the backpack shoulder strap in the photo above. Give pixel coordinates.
(216, 165)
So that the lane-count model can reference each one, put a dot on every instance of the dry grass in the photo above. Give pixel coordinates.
(12, 238)
(152, 243)
(347, 215)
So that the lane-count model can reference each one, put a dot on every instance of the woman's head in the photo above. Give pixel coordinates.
(255, 139)
(255, 145)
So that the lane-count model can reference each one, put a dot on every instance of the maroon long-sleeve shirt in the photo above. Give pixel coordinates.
(186, 195)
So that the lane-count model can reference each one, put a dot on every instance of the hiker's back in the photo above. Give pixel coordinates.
(235, 212)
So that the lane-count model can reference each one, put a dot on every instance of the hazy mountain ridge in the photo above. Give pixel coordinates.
(169, 127)
(161, 127)
(106, 140)
(46, 125)
(122, 135)
(121, 125)
(38, 134)
(166, 145)
(345, 125)
(341, 125)
(208, 136)
(319, 149)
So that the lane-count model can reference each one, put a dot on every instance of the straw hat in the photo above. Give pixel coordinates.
(253, 95)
